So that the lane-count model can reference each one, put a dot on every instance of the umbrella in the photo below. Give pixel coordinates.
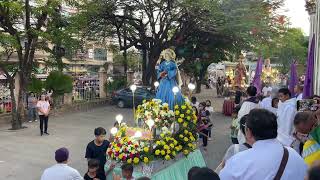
(293, 77)
(308, 82)
(256, 82)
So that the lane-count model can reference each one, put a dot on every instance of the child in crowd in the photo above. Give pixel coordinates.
(204, 123)
(194, 102)
(211, 111)
(93, 166)
(235, 125)
(127, 171)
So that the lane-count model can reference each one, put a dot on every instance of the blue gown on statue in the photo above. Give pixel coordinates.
(164, 91)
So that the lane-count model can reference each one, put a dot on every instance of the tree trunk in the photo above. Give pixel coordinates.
(15, 121)
(198, 82)
(125, 61)
(144, 66)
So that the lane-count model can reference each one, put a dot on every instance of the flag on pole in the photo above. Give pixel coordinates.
(308, 82)
(256, 82)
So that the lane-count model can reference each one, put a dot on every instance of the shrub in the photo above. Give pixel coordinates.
(59, 83)
(35, 85)
(117, 84)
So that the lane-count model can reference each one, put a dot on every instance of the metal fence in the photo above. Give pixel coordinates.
(86, 89)
(5, 99)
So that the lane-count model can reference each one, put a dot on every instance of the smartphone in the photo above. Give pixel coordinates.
(307, 105)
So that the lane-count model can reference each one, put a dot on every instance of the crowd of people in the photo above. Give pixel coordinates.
(271, 131)
(271, 138)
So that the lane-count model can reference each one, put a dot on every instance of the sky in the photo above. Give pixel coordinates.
(299, 17)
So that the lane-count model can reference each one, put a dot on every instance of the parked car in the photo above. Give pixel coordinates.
(124, 97)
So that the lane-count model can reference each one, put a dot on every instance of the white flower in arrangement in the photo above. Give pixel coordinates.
(165, 104)
(165, 130)
(157, 120)
(171, 113)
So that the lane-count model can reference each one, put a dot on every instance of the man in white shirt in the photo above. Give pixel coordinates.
(287, 110)
(263, 160)
(251, 103)
(266, 102)
(266, 89)
(298, 90)
(61, 171)
(43, 107)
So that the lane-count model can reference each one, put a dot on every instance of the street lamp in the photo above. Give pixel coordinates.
(191, 88)
(113, 131)
(119, 119)
(156, 84)
(138, 134)
(133, 88)
(175, 90)
(150, 123)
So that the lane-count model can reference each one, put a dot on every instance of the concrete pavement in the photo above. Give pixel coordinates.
(24, 154)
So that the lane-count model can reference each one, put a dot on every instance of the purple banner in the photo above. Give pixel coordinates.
(256, 82)
(308, 82)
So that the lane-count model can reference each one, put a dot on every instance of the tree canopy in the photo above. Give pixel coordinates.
(153, 25)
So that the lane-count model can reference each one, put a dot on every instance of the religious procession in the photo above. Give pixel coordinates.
(160, 90)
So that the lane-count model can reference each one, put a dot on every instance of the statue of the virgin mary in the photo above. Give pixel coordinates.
(169, 76)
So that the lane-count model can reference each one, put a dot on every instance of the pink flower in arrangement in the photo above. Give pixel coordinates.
(110, 152)
(138, 155)
(131, 155)
(129, 143)
(124, 158)
(116, 154)
(136, 146)
(119, 145)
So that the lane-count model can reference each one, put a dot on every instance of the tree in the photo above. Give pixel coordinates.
(26, 29)
(244, 25)
(35, 85)
(293, 45)
(132, 61)
(149, 26)
(153, 25)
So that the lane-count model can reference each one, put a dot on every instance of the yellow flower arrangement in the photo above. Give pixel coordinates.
(146, 149)
(182, 115)
(177, 113)
(129, 161)
(185, 124)
(180, 120)
(157, 152)
(146, 160)
(174, 153)
(183, 107)
(168, 151)
(158, 143)
(120, 156)
(136, 160)
(186, 132)
(186, 139)
(188, 112)
(167, 157)
(181, 136)
(163, 152)
(185, 152)
(166, 147)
